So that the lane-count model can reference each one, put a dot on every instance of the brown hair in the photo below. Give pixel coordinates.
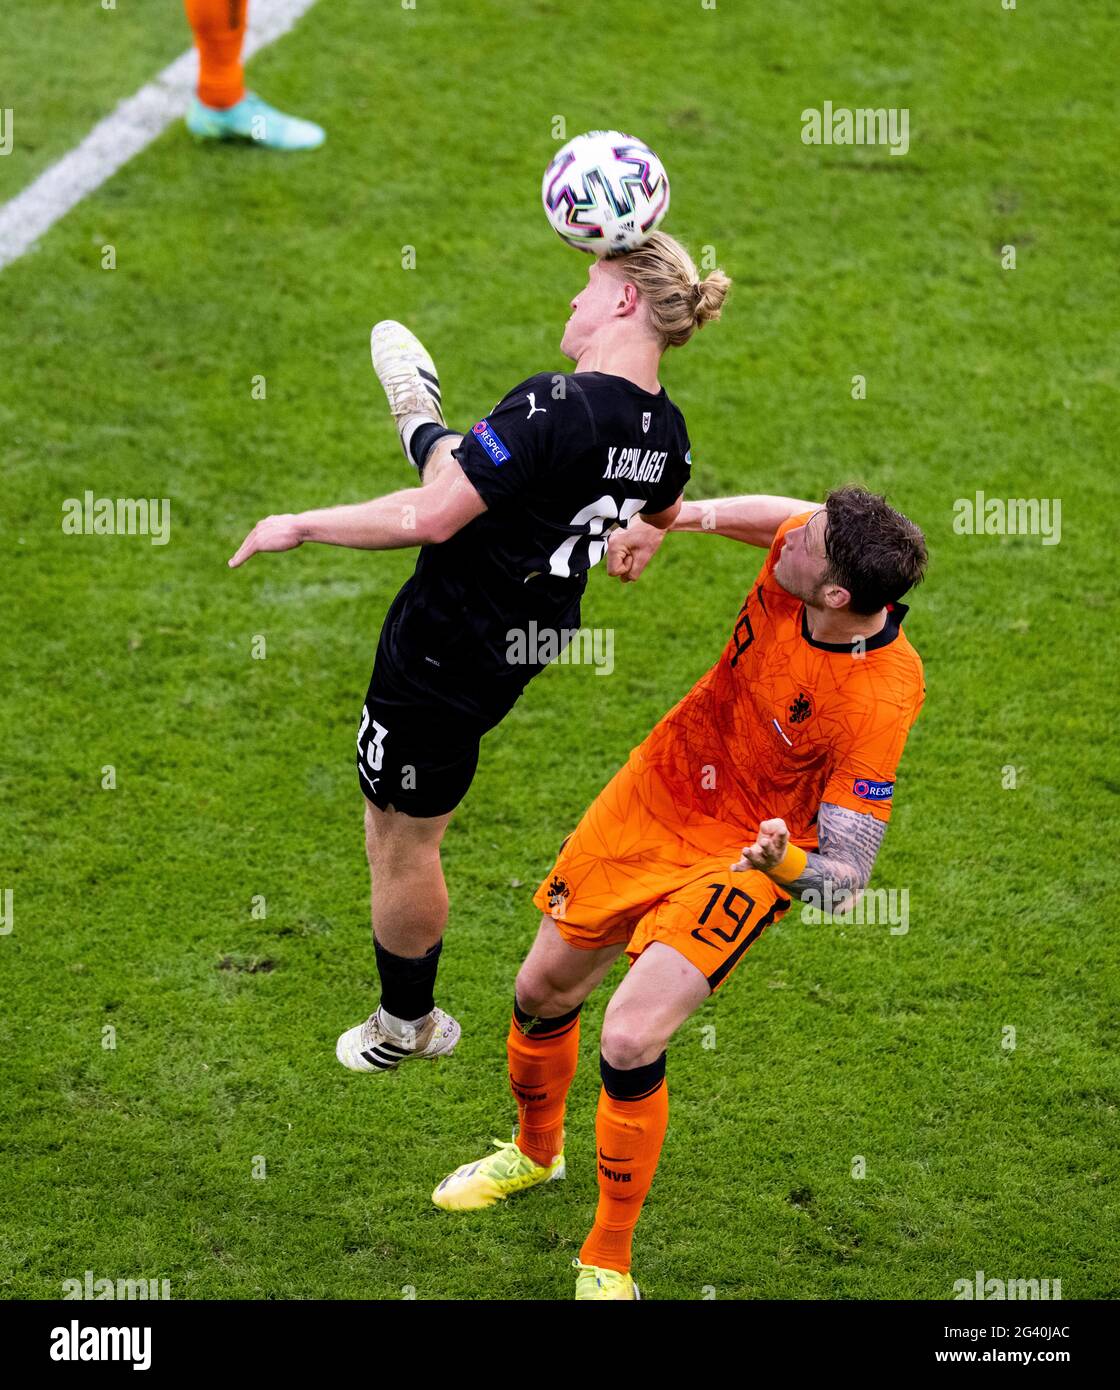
(874, 552)
(665, 276)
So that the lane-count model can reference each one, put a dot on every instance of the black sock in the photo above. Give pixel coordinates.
(424, 440)
(407, 982)
(544, 1027)
(634, 1084)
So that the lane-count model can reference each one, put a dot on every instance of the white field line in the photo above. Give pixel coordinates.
(112, 142)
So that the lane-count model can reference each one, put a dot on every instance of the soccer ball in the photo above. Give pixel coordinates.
(605, 192)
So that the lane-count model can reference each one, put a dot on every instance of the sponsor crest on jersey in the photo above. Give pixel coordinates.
(490, 441)
(873, 791)
(646, 417)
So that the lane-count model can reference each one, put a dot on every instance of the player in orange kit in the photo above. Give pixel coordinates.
(222, 109)
(792, 738)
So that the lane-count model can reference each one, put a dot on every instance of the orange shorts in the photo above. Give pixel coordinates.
(625, 876)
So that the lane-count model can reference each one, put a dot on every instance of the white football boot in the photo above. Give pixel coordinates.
(408, 375)
(371, 1046)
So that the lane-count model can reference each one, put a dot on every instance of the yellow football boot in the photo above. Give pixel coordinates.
(492, 1179)
(593, 1282)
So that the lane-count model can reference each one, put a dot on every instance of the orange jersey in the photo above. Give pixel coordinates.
(779, 724)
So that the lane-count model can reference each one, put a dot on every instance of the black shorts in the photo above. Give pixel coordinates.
(417, 758)
(440, 681)
(420, 728)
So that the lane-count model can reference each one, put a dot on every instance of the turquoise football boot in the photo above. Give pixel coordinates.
(253, 120)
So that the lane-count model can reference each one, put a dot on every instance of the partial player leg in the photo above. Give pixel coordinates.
(219, 31)
(408, 895)
(687, 946)
(408, 912)
(543, 1048)
(659, 993)
(543, 1041)
(222, 109)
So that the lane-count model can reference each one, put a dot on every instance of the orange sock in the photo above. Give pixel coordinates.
(542, 1061)
(629, 1131)
(219, 28)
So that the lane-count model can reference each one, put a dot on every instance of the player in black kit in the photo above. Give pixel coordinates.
(509, 519)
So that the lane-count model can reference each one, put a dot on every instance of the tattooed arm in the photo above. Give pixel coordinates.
(834, 874)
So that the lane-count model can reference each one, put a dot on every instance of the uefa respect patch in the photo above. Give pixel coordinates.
(490, 441)
(873, 791)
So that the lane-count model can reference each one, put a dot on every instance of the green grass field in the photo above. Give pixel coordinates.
(234, 776)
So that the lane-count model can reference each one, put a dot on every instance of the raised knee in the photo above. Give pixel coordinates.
(538, 994)
(626, 1043)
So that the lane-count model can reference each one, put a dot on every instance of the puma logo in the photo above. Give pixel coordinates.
(534, 408)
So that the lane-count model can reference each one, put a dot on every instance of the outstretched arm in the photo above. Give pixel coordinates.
(848, 843)
(414, 516)
(753, 520)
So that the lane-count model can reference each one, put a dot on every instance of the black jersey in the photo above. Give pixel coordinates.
(560, 462)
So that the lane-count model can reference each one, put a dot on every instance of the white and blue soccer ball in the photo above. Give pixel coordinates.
(605, 192)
